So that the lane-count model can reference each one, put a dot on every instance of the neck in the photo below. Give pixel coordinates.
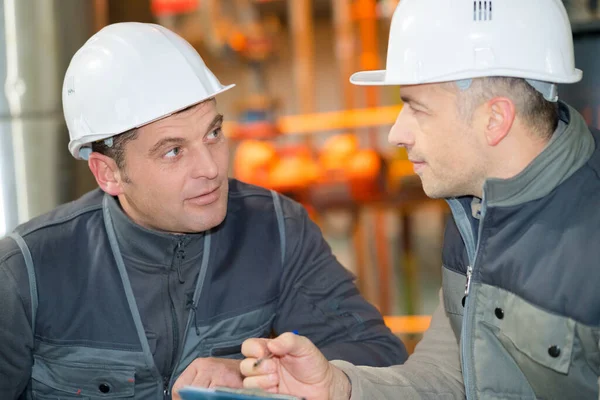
(131, 211)
(516, 151)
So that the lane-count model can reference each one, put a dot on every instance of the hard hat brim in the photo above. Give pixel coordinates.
(76, 145)
(368, 78)
(379, 78)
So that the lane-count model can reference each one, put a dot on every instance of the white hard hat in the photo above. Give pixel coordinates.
(128, 75)
(448, 40)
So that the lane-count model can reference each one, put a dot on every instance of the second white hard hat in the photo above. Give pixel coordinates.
(447, 40)
(128, 75)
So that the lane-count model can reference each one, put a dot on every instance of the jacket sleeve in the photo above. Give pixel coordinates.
(16, 339)
(320, 301)
(433, 371)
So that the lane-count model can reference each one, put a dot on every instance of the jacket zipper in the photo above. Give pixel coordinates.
(166, 392)
(468, 284)
(197, 292)
(465, 332)
(178, 260)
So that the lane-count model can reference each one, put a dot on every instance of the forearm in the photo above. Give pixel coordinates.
(380, 351)
(408, 381)
(433, 371)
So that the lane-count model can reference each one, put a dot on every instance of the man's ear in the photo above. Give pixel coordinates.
(500, 117)
(107, 173)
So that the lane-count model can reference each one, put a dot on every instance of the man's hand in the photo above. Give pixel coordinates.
(210, 372)
(297, 368)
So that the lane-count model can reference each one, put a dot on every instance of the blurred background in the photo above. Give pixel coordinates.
(294, 121)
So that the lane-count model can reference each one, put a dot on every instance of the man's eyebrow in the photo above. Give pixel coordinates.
(412, 100)
(165, 141)
(217, 120)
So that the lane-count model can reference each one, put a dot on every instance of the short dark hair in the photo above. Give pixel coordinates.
(538, 113)
(117, 150)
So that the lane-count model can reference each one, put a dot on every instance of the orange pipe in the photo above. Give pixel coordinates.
(344, 47)
(365, 12)
(101, 14)
(339, 120)
(407, 324)
(301, 27)
(331, 121)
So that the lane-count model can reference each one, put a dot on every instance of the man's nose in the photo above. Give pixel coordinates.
(401, 132)
(204, 164)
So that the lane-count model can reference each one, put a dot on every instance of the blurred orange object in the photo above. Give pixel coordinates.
(400, 169)
(293, 173)
(337, 151)
(399, 172)
(365, 175)
(364, 164)
(255, 130)
(341, 144)
(172, 7)
(407, 324)
(237, 41)
(294, 150)
(253, 161)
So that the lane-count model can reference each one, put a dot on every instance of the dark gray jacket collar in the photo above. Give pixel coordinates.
(149, 246)
(571, 146)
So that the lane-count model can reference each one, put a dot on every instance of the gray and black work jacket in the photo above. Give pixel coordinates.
(519, 316)
(94, 306)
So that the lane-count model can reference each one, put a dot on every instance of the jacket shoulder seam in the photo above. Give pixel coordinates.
(13, 282)
(10, 254)
(63, 220)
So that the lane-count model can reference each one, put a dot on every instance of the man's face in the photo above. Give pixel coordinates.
(443, 148)
(177, 172)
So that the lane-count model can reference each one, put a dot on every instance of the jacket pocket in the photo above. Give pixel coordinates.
(543, 336)
(57, 380)
(37, 396)
(226, 351)
(454, 293)
(231, 346)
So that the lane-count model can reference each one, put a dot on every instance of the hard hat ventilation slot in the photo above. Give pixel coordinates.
(482, 10)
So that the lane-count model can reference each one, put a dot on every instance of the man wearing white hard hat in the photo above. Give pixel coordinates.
(519, 313)
(152, 281)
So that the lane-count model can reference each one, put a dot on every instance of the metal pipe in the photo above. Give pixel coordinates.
(37, 40)
(344, 47)
(302, 32)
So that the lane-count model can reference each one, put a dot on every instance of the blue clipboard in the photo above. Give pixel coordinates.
(195, 393)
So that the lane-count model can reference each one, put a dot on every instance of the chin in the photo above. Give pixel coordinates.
(442, 192)
(434, 192)
(434, 195)
(207, 219)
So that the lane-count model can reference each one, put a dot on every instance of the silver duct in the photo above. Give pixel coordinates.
(37, 40)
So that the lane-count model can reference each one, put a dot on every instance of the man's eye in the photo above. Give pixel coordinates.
(415, 109)
(215, 134)
(173, 152)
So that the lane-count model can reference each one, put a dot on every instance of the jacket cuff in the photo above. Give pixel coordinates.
(350, 370)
